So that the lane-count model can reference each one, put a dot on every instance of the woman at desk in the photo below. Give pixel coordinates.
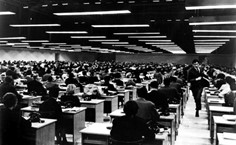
(13, 127)
(130, 127)
(69, 98)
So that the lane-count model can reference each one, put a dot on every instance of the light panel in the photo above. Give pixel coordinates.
(209, 36)
(34, 41)
(66, 32)
(11, 38)
(102, 40)
(35, 25)
(93, 13)
(146, 40)
(120, 26)
(146, 36)
(84, 37)
(213, 23)
(205, 43)
(212, 40)
(139, 33)
(210, 7)
(217, 31)
(115, 42)
(6, 13)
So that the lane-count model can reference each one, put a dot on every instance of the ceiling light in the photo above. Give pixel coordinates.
(102, 40)
(159, 43)
(146, 36)
(44, 5)
(221, 31)
(81, 37)
(93, 13)
(211, 7)
(11, 38)
(36, 41)
(212, 40)
(25, 7)
(66, 32)
(64, 4)
(6, 13)
(115, 42)
(124, 45)
(141, 33)
(35, 25)
(115, 26)
(146, 40)
(3, 41)
(214, 43)
(54, 43)
(213, 23)
(54, 5)
(207, 46)
(208, 36)
(165, 45)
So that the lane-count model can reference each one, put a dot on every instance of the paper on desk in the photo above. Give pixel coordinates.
(71, 109)
(230, 117)
(227, 135)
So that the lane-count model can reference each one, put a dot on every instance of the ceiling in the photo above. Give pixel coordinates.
(165, 26)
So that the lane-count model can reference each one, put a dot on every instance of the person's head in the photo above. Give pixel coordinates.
(195, 63)
(71, 75)
(167, 81)
(154, 84)
(70, 88)
(142, 92)
(107, 79)
(50, 79)
(54, 92)
(9, 80)
(130, 108)
(10, 100)
(221, 76)
(173, 79)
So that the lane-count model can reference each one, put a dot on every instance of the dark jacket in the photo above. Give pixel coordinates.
(159, 99)
(70, 98)
(7, 87)
(37, 87)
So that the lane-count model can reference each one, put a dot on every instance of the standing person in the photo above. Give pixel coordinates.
(194, 77)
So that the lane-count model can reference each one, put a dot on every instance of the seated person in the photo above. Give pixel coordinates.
(52, 109)
(50, 83)
(36, 87)
(69, 97)
(13, 127)
(147, 109)
(72, 80)
(130, 127)
(91, 91)
(110, 87)
(158, 98)
(225, 88)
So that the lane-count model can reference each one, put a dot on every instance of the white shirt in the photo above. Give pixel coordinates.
(224, 89)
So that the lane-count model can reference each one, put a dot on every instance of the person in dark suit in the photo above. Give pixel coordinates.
(158, 98)
(194, 77)
(69, 98)
(72, 80)
(52, 109)
(147, 109)
(129, 127)
(13, 126)
(8, 86)
(36, 87)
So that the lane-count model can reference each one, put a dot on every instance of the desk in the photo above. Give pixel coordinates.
(176, 108)
(223, 125)
(74, 119)
(133, 92)
(168, 121)
(98, 134)
(224, 141)
(123, 97)
(27, 99)
(94, 111)
(217, 111)
(110, 104)
(43, 133)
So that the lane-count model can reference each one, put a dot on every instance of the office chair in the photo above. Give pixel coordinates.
(117, 142)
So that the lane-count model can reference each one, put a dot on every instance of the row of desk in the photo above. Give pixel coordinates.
(217, 121)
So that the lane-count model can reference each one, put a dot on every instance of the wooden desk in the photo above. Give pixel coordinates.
(94, 111)
(217, 111)
(132, 93)
(28, 100)
(111, 103)
(176, 108)
(168, 121)
(123, 97)
(74, 119)
(223, 125)
(224, 141)
(43, 133)
(98, 134)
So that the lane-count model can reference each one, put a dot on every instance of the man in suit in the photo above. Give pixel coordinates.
(194, 77)
(36, 87)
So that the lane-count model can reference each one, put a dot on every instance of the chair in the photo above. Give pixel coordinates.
(117, 142)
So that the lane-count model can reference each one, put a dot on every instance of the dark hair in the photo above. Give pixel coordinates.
(167, 81)
(8, 79)
(130, 108)
(221, 76)
(50, 78)
(173, 79)
(54, 92)
(142, 92)
(9, 100)
(195, 60)
(154, 84)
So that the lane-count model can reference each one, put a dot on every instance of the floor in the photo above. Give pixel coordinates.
(192, 131)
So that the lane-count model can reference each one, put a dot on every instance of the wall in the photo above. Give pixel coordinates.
(223, 60)
(26, 54)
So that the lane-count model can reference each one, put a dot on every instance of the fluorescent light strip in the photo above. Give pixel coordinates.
(18, 43)
(212, 40)
(146, 36)
(102, 40)
(213, 23)
(3, 41)
(115, 42)
(146, 40)
(66, 32)
(210, 43)
(220, 31)
(208, 36)
(141, 33)
(165, 45)
(114, 26)
(6, 13)
(211, 7)
(160, 43)
(35, 25)
(93, 13)
(54, 43)
(82, 37)
(12, 38)
(36, 41)
(124, 45)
